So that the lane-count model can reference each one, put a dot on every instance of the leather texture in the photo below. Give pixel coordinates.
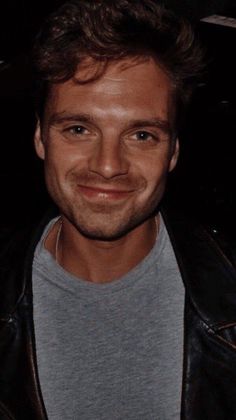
(209, 370)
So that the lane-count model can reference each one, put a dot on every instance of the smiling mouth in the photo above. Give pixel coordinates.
(103, 193)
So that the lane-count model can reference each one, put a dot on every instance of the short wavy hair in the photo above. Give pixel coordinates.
(108, 30)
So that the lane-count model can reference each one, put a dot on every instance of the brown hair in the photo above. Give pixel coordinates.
(107, 30)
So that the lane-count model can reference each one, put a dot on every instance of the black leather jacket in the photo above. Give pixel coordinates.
(209, 371)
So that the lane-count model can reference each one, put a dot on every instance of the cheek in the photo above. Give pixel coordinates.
(155, 185)
(154, 171)
(64, 159)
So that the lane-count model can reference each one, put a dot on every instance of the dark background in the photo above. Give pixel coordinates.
(204, 181)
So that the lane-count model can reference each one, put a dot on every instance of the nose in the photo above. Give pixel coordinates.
(108, 159)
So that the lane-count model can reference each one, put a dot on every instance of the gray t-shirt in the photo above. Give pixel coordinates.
(110, 351)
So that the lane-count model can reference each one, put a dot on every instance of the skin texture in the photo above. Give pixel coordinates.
(107, 147)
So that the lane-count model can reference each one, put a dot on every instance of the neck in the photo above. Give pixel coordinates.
(100, 261)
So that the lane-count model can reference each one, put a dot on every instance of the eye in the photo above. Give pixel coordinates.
(144, 136)
(77, 130)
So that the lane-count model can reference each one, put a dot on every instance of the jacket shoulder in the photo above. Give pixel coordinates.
(13, 250)
(17, 247)
(207, 268)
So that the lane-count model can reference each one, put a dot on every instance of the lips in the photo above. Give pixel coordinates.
(103, 193)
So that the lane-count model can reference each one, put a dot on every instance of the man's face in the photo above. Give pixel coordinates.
(107, 147)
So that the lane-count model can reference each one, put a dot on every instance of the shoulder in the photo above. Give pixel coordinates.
(13, 248)
(192, 236)
(17, 247)
(13, 243)
(207, 268)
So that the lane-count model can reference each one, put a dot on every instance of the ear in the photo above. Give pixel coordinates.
(175, 155)
(38, 142)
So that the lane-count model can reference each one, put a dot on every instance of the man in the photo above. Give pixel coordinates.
(95, 320)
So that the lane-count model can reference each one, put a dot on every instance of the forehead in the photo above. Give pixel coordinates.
(124, 85)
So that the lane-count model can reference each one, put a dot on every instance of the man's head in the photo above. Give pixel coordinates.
(110, 30)
(107, 128)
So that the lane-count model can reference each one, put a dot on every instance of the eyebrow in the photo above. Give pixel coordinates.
(61, 117)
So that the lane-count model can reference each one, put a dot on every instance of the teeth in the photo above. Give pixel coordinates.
(103, 195)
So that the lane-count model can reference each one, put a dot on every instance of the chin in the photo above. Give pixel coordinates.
(102, 234)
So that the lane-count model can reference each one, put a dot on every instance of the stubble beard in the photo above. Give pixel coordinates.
(104, 221)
